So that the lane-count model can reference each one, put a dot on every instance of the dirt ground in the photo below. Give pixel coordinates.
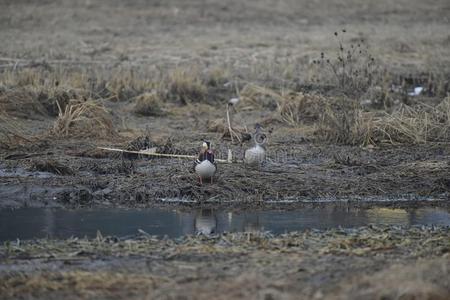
(331, 82)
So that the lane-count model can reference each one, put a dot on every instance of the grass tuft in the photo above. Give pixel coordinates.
(185, 86)
(149, 104)
(86, 119)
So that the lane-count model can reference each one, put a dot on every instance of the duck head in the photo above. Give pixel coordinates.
(206, 145)
(259, 137)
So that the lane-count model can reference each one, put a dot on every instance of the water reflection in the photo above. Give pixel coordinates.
(205, 222)
(38, 223)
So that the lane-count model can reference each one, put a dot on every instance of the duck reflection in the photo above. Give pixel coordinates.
(251, 224)
(209, 221)
(205, 222)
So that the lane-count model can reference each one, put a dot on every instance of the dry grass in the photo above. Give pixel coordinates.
(217, 76)
(184, 86)
(419, 124)
(50, 165)
(11, 134)
(124, 85)
(406, 125)
(342, 120)
(263, 264)
(149, 104)
(21, 103)
(418, 281)
(80, 283)
(84, 119)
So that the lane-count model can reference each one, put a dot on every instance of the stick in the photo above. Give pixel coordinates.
(229, 123)
(230, 129)
(143, 152)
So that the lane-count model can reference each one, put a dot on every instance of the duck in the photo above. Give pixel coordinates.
(204, 166)
(256, 155)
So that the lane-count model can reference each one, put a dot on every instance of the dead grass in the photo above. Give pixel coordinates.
(406, 125)
(22, 103)
(262, 265)
(80, 283)
(50, 165)
(124, 85)
(217, 76)
(11, 134)
(185, 86)
(342, 120)
(423, 280)
(86, 119)
(418, 124)
(149, 104)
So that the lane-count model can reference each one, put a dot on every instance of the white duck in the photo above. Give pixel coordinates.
(204, 165)
(256, 155)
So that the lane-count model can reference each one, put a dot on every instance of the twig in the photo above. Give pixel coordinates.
(229, 123)
(230, 129)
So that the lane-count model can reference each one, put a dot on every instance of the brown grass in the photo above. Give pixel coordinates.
(123, 85)
(406, 125)
(80, 283)
(418, 124)
(426, 280)
(149, 104)
(342, 120)
(11, 134)
(84, 119)
(185, 86)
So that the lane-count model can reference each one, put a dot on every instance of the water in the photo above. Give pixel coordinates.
(59, 223)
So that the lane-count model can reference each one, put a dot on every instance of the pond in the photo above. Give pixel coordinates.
(29, 223)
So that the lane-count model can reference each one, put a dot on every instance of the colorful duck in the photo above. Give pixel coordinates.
(204, 165)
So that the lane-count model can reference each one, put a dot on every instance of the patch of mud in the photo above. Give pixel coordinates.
(310, 173)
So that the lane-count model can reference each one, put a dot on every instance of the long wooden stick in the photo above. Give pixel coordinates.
(229, 123)
(143, 152)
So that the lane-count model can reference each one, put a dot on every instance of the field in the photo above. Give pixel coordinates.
(352, 94)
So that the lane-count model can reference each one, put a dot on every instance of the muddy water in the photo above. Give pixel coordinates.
(59, 223)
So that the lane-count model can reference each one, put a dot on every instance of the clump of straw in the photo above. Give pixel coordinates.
(84, 119)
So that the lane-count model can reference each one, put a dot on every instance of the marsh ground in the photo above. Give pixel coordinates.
(368, 263)
(166, 70)
(138, 74)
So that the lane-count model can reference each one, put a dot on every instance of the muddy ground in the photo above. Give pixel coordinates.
(203, 52)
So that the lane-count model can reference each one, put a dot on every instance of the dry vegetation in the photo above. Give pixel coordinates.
(85, 119)
(343, 120)
(149, 104)
(75, 75)
(185, 86)
(372, 263)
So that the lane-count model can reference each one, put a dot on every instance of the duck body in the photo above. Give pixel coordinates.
(204, 166)
(205, 169)
(255, 156)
